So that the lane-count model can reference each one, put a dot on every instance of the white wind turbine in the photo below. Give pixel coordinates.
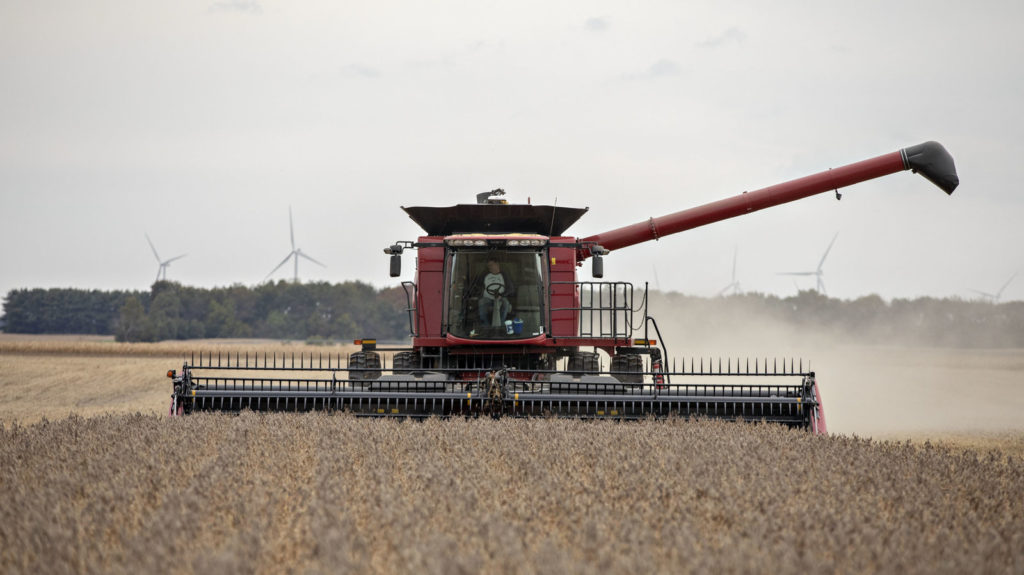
(818, 273)
(735, 285)
(994, 297)
(161, 272)
(296, 253)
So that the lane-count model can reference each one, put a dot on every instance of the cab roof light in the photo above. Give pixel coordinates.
(467, 242)
(497, 241)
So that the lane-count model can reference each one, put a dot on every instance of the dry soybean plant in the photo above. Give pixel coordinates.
(332, 493)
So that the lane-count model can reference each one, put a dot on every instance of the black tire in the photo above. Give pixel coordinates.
(628, 363)
(364, 360)
(584, 362)
(406, 362)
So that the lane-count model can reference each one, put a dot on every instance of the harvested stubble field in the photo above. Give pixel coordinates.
(54, 376)
(332, 493)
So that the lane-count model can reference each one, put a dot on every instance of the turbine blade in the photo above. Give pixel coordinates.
(300, 252)
(733, 286)
(1000, 292)
(284, 261)
(822, 262)
(174, 258)
(797, 273)
(152, 247)
(291, 227)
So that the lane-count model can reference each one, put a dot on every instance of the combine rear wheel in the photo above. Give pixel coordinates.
(633, 364)
(364, 360)
(584, 362)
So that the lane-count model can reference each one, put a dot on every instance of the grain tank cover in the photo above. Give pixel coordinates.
(495, 218)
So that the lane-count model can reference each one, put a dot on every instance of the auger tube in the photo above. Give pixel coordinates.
(930, 159)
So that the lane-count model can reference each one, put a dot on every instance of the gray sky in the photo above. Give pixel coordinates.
(201, 122)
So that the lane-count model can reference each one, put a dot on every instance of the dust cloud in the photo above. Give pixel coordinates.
(868, 388)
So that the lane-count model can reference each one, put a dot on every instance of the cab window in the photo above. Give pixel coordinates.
(495, 294)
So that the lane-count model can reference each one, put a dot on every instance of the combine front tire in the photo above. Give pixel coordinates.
(632, 365)
(584, 363)
(364, 360)
(406, 362)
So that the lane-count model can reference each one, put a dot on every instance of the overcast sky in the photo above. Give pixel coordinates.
(201, 122)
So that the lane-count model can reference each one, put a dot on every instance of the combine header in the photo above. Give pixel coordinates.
(502, 326)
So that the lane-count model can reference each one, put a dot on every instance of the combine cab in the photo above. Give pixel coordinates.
(502, 326)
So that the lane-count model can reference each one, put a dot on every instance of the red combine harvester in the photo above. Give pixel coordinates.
(502, 326)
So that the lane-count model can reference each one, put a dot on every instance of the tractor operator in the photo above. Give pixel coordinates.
(495, 290)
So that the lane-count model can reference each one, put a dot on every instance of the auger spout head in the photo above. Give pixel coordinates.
(932, 161)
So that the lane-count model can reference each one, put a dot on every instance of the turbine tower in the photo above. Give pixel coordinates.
(161, 272)
(735, 285)
(295, 254)
(818, 273)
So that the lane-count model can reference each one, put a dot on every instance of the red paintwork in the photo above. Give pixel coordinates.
(747, 202)
(562, 259)
(818, 425)
(538, 340)
(539, 344)
(430, 289)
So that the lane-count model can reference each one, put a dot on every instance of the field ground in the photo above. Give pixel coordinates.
(316, 493)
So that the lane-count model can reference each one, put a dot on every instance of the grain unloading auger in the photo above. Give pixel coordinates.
(502, 326)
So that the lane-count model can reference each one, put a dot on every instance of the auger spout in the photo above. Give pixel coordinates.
(930, 159)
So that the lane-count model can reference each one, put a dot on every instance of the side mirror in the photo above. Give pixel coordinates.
(395, 251)
(596, 252)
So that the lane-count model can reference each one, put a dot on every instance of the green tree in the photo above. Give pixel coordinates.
(131, 323)
(165, 315)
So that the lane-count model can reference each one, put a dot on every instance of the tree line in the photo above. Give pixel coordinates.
(351, 310)
(170, 310)
(871, 320)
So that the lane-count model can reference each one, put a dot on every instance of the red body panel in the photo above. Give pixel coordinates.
(563, 269)
(818, 425)
(430, 290)
(537, 340)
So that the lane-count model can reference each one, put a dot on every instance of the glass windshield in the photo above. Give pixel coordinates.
(496, 294)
